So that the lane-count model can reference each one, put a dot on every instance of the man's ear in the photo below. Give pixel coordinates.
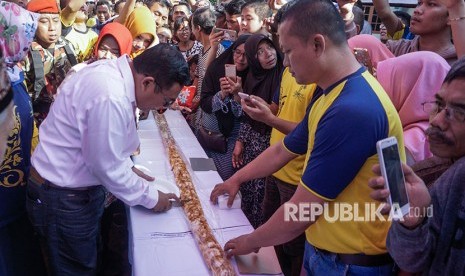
(319, 44)
(147, 80)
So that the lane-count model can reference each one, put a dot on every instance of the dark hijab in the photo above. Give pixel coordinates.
(261, 82)
(211, 85)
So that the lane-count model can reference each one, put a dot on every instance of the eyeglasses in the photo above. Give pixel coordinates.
(184, 30)
(239, 53)
(167, 101)
(452, 113)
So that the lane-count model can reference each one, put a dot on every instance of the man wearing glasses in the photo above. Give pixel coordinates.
(86, 144)
(435, 245)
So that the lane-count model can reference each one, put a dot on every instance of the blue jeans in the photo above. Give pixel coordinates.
(321, 263)
(68, 223)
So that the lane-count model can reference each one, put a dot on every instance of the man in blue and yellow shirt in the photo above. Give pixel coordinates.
(338, 136)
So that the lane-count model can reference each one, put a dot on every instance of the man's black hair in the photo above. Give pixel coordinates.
(457, 71)
(165, 64)
(205, 18)
(115, 7)
(279, 14)
(184, 3)
(260, 7)
(310, 17)
(234, 7)
(163, 3)
(102, 3)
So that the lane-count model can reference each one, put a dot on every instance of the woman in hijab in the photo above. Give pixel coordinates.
(263, 78)
(19, 249)
(411, 80)
(113, 41)
(141, 24)
(376, 49)
(220, 103)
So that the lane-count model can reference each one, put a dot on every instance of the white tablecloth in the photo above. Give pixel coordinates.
(161, 244)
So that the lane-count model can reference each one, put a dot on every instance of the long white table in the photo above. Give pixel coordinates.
(162, 244)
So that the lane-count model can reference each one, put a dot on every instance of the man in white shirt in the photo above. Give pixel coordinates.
(85, 145)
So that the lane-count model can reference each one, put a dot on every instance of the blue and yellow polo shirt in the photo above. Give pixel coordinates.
(338, 136)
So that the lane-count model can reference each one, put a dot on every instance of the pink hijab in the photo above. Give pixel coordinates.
(377, 50)
(410, 80)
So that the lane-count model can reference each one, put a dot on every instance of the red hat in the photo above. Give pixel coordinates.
(43, 6)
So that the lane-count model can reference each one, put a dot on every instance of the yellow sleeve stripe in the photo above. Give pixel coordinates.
(313, 192)
(288, 150)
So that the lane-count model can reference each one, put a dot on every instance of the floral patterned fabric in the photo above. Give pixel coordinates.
(186, 96)
(17, 30)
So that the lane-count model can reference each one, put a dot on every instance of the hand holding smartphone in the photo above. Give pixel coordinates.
(230, 70)
(229, 35)
(244, 96)
(391, 170)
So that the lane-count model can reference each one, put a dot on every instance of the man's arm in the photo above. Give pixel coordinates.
(215, 40)
(456, 9)
(268, 162)
(280, 228)
(388, 17)
(262, 112)
(68, 14)
(126, 11)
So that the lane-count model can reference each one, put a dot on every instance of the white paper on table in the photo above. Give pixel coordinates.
(155, 255)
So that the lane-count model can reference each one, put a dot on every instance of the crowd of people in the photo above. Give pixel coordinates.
(296, 124)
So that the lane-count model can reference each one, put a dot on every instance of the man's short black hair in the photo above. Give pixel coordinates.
(310, 17)
(115, 7)
(164, 63)
(234, 7)
(205, 18)
(184, 3)
(103, 2)
(457, 71)
(261, 8)
(279, 14)
(163, 3)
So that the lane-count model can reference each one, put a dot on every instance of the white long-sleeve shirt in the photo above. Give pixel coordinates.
(90, 133)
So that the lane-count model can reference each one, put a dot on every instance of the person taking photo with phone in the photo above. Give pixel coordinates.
(421, 243)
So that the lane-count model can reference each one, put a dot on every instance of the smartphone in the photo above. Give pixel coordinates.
(363, 57)
(230, 35)
(230, 70)
(391, 170)
(244, 96)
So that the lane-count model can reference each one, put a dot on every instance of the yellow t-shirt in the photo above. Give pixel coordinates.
(399, 34)
(83, 43)
(293, 101)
